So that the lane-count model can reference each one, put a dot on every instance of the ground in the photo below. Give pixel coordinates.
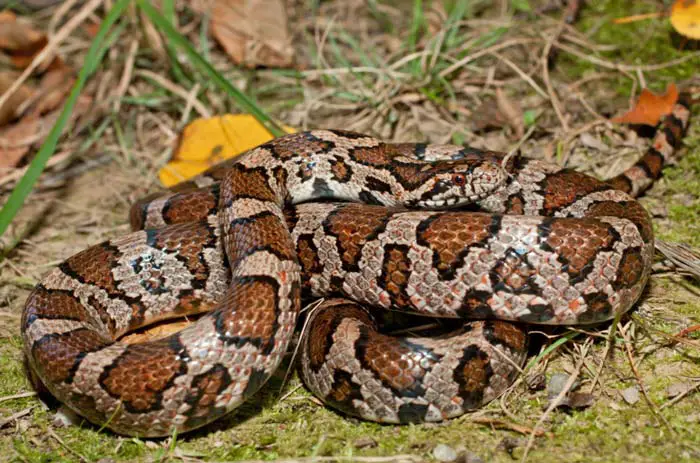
(643, 403)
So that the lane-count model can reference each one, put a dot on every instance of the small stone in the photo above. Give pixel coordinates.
(556, 384)
(581, 400)
(443, 452)
(365, 443)
(631, 395)
(676, 389)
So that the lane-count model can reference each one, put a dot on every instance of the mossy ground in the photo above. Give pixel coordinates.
(288, 423)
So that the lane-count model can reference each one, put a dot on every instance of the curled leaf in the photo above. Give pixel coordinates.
(206, 142)
(685, 18)
(650, 108)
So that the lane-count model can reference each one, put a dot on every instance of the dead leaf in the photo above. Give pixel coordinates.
(650, 108)
(253, 32)
(22, 42)
(205, 142)
(685, 18)
(17, 139)
(52, 90)
(9, 111)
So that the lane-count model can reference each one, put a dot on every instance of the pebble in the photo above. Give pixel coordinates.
(631, 395)
(443, 452)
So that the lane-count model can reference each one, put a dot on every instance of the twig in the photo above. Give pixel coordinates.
(557, 400)
(679, 397)
(15, 416)
(545, 75)
(126, 76)
(522, 74)
(177, 90)
(625, 67)
(21, 395)
(642, 388)
(486, 51)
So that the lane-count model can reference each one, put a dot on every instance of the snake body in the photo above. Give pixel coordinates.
(547, 246)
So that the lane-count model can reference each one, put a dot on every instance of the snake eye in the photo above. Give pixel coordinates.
(458, 179)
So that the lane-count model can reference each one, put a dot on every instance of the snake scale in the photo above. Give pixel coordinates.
(246, 241)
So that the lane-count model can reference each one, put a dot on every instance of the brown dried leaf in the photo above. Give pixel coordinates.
(17, 139)
(52, 91)
(22, 42)
(8, 111)
(650, 108)
(253, 32)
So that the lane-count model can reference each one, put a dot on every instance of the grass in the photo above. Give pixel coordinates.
(409, 101)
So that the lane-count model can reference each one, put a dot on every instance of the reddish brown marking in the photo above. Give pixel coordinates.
(341, 172)
(631, 268)
(324, 324)
(395, 273)
(514, 271)
(43, 303)
(450, 235)
(289, 147)
(139, 376)
(565, 187)
(473, 375)
(579, 241)
(515, 206)
(354, 225)
(264, 231)
(375, 156)
(255, 310)
(188, 241)
(94, 265)
(622, 183)
(509, 335)
(247, 183)
(342, 390)
(393, 362)
(205, 389)
(308, 256)
(654, 163)
(630, 210)
(57, 355)
(190, 207)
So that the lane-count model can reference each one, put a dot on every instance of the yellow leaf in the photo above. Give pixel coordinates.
(206, 142)
(685, 18)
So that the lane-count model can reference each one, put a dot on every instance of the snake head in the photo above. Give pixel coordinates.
(458, 183)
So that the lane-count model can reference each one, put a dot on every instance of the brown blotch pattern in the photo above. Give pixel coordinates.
(255, 310)
(205, 389)
(340, 170)
(140, 375)
(631, 268)
(376, 156)
(308, 256)
(393, 362)
(43, 303)
(472, 375)
(247, 183)
(509, 335)
(189, 242)
(449, 236)
(263, 231)
(57, 355)
(630, 210)
(353, 226)
(514, 271)
(565, 187)
(578, 241)
(395, 273)
(288, 147)
(190, 207)
(94, 265)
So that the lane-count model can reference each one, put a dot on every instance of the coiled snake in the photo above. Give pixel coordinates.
(546, 246)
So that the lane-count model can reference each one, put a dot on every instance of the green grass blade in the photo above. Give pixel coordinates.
(242, 100)
(36, 167)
